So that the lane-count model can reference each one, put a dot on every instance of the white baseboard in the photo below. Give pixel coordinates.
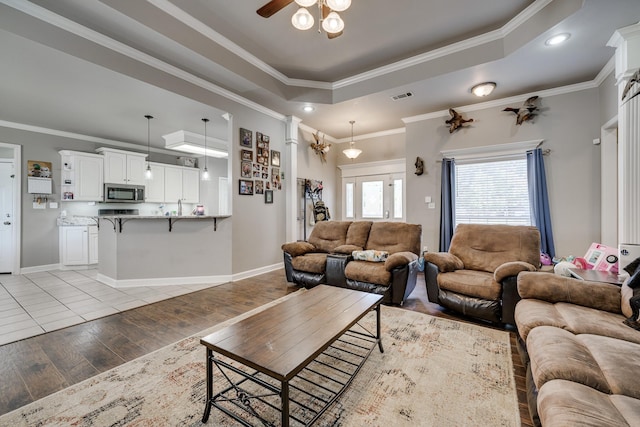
(164, 281)
(257, 271)
(39, 268)
(159, 281)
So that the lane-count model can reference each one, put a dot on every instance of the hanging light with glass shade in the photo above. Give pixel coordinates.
(205, 171)
(352, 152)
(147, 173)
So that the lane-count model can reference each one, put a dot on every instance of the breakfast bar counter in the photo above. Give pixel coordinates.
(154, 250)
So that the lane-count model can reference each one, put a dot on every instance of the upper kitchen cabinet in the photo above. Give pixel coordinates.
(154, 187)
(82, 176)
(181, 184)
(123, 167)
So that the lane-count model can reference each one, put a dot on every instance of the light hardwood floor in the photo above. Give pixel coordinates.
(36, 367)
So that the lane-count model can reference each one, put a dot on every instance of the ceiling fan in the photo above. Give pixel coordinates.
(324, 8)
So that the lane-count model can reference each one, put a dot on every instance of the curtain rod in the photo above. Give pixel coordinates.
(545, 152)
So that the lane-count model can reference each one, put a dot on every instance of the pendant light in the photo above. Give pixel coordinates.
(351, 152)
(205, 171)
(148, 174)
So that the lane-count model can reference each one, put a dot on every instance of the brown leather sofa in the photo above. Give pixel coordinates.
(326, 257)
(582, 361)
(477, 277)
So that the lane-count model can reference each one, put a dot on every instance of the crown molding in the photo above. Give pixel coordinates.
(81, 137)
(500, 102)
(121, 48)
(197, 25)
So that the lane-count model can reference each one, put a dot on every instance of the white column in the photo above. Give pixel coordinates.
(291, 176)
(627, 43)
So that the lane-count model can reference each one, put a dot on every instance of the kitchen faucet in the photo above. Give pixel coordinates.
(179, 207)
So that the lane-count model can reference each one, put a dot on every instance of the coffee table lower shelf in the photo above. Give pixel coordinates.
(257, 399)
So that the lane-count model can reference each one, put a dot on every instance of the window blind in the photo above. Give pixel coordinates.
(492, 192)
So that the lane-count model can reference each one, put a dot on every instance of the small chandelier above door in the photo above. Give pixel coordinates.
(352, 152)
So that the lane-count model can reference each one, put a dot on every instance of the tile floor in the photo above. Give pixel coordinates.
(32, 304)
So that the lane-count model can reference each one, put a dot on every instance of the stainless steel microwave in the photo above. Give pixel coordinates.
(123, 193)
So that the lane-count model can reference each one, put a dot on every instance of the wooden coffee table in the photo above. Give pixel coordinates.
(283, 345)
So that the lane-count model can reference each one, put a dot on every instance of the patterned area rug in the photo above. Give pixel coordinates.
(434, 372)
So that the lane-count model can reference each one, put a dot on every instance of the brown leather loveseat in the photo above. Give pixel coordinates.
(327, 257)
(477, 277)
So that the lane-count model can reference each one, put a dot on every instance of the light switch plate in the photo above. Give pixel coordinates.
(53, 205)
(431, 205)
(427, 199)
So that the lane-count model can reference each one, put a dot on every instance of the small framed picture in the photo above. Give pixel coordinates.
(246, 138)
(275, 158)
(246, 187)
(259, 186)
(245, 169)
(246, 155)
(268, 196)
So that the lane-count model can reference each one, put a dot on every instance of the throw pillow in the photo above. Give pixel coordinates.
(634, 280)
(633, 266)
(370, 255)
(634, 320)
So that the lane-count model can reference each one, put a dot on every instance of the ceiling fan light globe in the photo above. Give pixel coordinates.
(339, 5)
(306, 3)
(302, 19)
(333, 23)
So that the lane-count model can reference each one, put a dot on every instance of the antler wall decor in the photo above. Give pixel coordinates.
(320, 148)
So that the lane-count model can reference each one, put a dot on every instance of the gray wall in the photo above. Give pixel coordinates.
(568, 124)
(608, 95)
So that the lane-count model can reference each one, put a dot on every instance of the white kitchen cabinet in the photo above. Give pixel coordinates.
(93, 244)
(154, 187)
(190, 185)
(74, 245)
(123, 167)
(181, 184)
(82, 176)
(78, 245)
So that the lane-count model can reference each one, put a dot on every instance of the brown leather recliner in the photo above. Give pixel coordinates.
(477, 277)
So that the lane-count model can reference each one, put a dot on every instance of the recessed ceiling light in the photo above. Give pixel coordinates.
(483, 89)
(557, 39)
(308, 108)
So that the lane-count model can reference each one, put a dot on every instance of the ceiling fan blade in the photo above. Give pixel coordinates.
(272, 7)
(334, 35)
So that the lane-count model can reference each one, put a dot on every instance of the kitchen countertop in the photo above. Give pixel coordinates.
(163, 216)
(118, 220)
(74, 221)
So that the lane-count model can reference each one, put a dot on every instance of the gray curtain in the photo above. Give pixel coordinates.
(539, 200)
(447, 205)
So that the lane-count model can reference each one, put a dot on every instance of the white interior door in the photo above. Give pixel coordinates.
(7, 249)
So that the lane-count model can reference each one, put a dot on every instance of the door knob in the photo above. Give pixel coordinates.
(7, 223)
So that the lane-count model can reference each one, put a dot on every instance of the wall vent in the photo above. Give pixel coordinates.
(401, 96)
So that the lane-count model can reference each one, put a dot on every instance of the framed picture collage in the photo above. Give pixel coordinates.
(259, 169)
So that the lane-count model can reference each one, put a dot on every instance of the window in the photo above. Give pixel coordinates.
(349, 189)
(493, 192)
(374, 191)
(372, 199)
(397, 199)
